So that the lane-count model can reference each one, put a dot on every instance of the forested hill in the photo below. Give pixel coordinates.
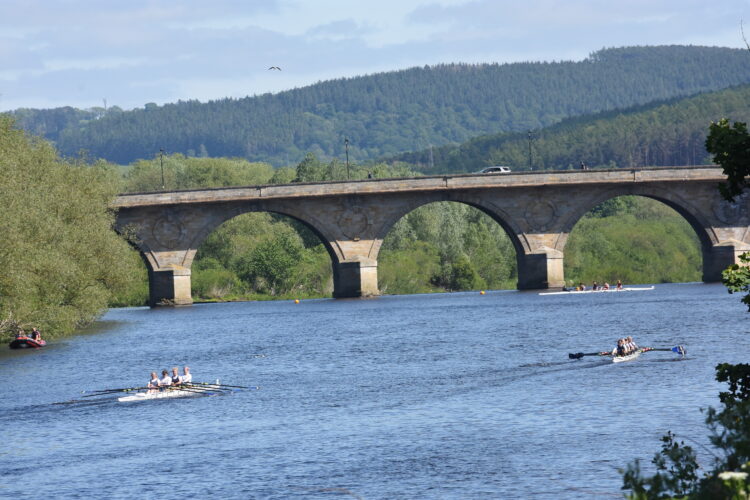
(657, 134)
(388, 113)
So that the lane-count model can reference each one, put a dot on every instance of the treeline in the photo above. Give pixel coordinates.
(438, 247)
(61, 264)
(389, 113)
(660, 134)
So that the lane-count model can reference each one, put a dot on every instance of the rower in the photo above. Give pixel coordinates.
(620, 349)
(619, 285)
(154, 382)
(20, 334)
(594, 286)
(605, 286)
(176, 380)
(36, 334)
(166, 380)
(187, 377)
(633, 345)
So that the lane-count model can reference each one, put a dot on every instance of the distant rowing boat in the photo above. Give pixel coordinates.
(626, 289)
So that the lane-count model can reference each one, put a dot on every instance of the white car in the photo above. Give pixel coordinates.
(495, 170)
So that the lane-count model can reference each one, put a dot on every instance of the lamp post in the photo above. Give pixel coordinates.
(161, 162)
(346, 146)
(530, 167)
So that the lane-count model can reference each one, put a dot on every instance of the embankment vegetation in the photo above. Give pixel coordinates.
(61, 263)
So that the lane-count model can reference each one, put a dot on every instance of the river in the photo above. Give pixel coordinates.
(457, 395)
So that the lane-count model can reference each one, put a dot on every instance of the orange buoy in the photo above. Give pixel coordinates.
(296, 301)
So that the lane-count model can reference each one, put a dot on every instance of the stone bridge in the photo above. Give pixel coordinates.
(536, 209)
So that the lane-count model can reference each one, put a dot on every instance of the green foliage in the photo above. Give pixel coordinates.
(636, 240)
(737, 278)
(730, 145)
(677, 467)
(657, 134)
(388, 113)
(61, 261)
(181, 172)
(456, 247)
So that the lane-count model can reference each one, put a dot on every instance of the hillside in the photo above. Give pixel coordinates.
(658, 134)
(389, 113)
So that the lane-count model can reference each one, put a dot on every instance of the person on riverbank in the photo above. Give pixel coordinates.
(166, 380)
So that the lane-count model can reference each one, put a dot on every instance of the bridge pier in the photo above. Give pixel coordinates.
(169, 287)
(718, 257)
(540, 270)
(355, 279)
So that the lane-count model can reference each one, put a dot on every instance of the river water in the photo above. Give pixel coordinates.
(426, 396)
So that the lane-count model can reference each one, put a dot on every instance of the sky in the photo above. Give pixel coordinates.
(86, 53)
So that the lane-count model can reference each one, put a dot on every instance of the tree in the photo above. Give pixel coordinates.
(60, 260)
(730, 145)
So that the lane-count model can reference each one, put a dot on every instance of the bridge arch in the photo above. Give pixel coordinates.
(486, 206)
(673, 200)
(437, 239)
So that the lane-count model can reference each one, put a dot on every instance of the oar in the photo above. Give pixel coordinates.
(197, 390)
(223, 385)
(113, 391)
(579, 355)
(105, 391)
(676, 349)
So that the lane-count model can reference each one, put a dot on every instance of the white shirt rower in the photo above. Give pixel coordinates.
(154, 382)
(187, 377)
(166, 380)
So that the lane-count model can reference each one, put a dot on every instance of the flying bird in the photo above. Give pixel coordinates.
(275, 67)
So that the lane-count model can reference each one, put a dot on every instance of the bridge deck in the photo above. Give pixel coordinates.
(415, 184)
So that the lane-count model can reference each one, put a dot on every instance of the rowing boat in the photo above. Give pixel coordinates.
(156, 394)
(601, 290)
(627, 357)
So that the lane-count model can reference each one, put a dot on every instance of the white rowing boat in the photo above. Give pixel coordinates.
(627, 357)
(626, 289)
(156, 394)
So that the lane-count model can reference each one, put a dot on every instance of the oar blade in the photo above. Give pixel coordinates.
(575, 355)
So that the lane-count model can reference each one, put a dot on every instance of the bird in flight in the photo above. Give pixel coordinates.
(275, 67)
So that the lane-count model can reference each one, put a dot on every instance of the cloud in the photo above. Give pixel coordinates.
(80, 51)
